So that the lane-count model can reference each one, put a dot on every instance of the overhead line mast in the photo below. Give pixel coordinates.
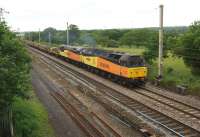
(160, 53)
(39, 37)
(67, 34)
(49, 38)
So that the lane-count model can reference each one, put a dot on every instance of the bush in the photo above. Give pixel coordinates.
(14, 67)
(30, 119)
(170, 70)
(189, 44)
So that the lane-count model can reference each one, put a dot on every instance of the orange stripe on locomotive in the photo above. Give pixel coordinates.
(74, 56)
(108, 66)
(124, 71)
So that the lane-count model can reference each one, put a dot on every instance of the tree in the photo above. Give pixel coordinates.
(189, 45)
(45, 34)
(137, 37)
(14, 68)
(113, 34)
(103, 40)
(74, 33)
(152, 44)
(33, 36)
(151, 53)
(86, 38)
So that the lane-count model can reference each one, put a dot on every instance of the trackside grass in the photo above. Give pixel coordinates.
(177, 73)
(31, 118)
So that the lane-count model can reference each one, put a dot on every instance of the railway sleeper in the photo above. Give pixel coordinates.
(179, 128)
(134, 106)
(149, 113)
(195, 112)
(186, 133)
(157, 117)
(145, 109)
(165, 121)
(139, 108)
(160, 119)
(172, 125)
(189, 134)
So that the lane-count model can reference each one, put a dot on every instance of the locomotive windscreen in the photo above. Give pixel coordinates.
(135, 61)
(132, 61)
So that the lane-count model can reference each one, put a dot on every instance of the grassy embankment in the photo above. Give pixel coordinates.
(31, 118)
(175, 71)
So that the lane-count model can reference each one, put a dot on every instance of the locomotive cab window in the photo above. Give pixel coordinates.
(62, 48)
(132, 61)
(114, 57)
(135, 61)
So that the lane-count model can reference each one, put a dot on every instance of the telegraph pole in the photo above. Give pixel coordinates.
(49, 38)
(39, 36)
(67, 34)
(160, 54)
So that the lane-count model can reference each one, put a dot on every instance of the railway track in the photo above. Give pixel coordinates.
(161, 92)
(111, 130)
(192, 112)
(102, 127)
(173, 126)
(85, 125)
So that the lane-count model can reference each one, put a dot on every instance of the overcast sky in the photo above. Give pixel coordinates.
(29, 15)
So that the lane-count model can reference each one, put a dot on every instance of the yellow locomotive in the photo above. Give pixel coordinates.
(116, 65)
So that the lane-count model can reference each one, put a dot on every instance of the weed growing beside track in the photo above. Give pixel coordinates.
(31, 119)
(176, 73)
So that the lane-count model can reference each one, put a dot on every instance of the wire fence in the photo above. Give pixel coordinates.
(6, 123)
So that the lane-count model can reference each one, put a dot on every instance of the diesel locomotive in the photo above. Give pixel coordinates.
(118, 66)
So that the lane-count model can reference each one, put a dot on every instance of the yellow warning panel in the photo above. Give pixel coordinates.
(64, 53)
(90, 60)
(137, 72)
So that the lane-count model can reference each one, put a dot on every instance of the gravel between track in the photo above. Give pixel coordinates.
(61, 122)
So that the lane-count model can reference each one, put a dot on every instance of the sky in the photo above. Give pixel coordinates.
(32, 15)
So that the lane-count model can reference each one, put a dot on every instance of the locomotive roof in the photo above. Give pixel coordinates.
(117, 53)
(96, 51)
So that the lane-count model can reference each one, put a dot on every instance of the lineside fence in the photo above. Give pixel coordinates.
(6, 127)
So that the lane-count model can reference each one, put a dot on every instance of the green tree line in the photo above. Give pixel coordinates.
(141, 37)
(106, 38)
(14, 68)
(18, 105)
(181, 41)
(14, 72)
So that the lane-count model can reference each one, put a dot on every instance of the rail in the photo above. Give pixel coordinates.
(75, 75)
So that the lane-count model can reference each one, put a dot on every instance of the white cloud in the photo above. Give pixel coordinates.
(90, 14)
